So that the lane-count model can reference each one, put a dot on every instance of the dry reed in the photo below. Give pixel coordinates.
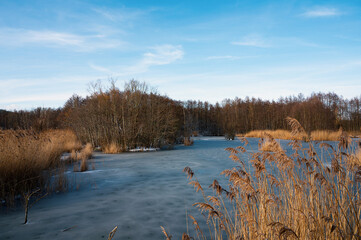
(112, 148)
(267, 145)
(278, 134)
(302, 195)
(318, 135)
(188, 141)
(83, 155)
(324, 135)
(31, 160)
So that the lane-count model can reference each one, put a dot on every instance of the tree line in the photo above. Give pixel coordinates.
(137, 116)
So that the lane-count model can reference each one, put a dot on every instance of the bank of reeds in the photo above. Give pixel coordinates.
(298, 195)
(318, 135)
(31, 160)
(277, 134)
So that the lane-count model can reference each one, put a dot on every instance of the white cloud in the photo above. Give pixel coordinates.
(157, 56)
(22, 37)
(122, 14)
(100, 68)
(321, 12)
(52, 37)
(252, 41)
(161, 55)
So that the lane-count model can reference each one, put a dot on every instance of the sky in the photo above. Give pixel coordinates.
(199, 50)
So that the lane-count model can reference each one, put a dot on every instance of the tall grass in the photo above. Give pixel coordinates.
(82, 156)
(267, 145)
(188, 141)
(318, 135)
(324, 135)
(295, 195)
(31, 160)
(278, 134)
(112, 148)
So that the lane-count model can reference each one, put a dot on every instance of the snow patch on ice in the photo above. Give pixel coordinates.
(144, 149)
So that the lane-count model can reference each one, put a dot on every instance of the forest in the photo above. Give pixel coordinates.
(138, 116)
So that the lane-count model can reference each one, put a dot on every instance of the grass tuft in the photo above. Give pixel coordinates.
(112, 148)
(188, 141)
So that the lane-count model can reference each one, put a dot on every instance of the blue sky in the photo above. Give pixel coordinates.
(201, 50)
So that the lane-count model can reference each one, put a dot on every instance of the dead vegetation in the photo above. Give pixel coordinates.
(30, 160)
(299, 195)
(188, 141)
(269, 144)
(318, 135)
(112, 148)
(82, 157)
(277, 134)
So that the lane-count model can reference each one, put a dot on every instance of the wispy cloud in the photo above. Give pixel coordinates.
(161, 55)
(116, 15)
(252, 41)
(22, 37)
(321, 12)
(158, 55)
(100, 68)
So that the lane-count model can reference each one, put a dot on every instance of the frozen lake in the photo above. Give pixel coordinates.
(138, 192)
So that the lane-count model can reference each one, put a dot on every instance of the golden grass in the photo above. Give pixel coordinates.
(318, 135)
(83, 155)
(324, 135)
(188, 141)
(355, 134)
(66, 139)
(29, 159)
(282, 196)
(112, 148)
(357, 159)
(278, 134)
(267, 145)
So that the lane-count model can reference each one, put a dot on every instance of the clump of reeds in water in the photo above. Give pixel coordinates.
(300, 195)
(30, 160)
(82, 157)
(112, 148)
(188, 141)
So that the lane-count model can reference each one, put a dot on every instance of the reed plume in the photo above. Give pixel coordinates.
(295, 195)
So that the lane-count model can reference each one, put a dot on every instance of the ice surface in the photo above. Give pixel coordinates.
(138, 192)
